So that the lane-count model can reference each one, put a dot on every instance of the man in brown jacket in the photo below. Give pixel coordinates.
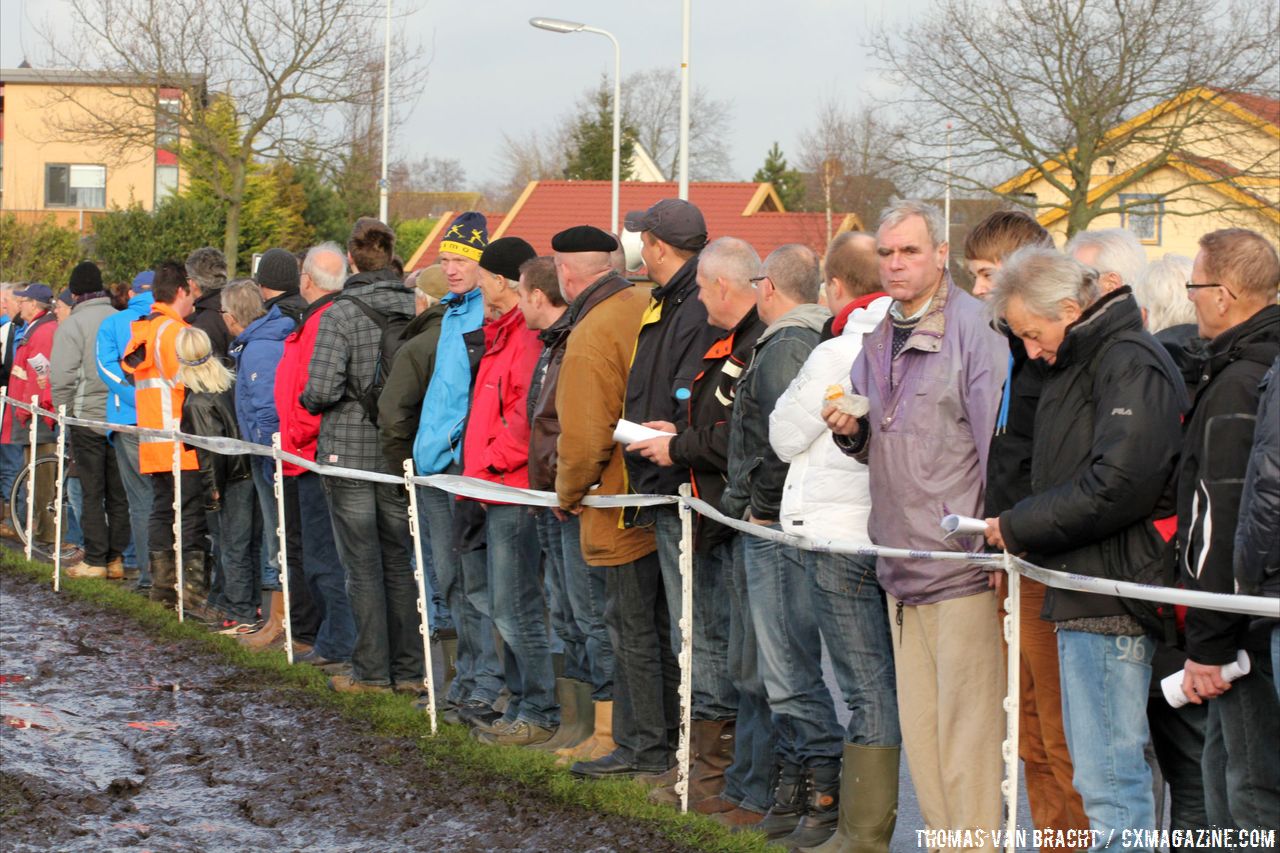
(606, 311)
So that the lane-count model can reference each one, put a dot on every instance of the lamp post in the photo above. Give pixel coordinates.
(557, 26)
(384, 184)
(684, 99)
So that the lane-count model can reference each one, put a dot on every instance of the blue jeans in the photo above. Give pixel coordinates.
(573, 642)
(371, 531)
(137, 489)
(587, 589)
(479, 675)
(853, 617)
(263, 483)
(714, 696)
(325, 576)
(72, 533)
(749, 780)
(1241, 774)
(783, 612)
(1104, 711)
(439, 616)
(518, 610)
(237, 596)
(10, 464)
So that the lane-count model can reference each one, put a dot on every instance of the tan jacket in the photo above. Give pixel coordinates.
(589, 398)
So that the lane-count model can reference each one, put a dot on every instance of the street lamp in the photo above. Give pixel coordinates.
(384, 184)
(556, 25)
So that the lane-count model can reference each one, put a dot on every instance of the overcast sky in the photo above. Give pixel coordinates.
(774, 62)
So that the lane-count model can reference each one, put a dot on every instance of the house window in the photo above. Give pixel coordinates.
(67, 185)
(167, 112)
(1142, 213)
(166, 182)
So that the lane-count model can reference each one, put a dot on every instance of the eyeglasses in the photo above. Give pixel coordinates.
(1190, 287)
(755, 282)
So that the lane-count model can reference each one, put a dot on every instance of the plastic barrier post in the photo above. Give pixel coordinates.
(4, 399)
(686, 647)
(31, 477)
(419, 575)
(1013, 636)
(177, 523)
(57, 504)
(278, 489)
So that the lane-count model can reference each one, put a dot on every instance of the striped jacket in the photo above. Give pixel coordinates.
(152, 360)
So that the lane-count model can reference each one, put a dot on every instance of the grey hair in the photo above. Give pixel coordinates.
(1043, 279)
(1161, 291)
(901, 209)
(1119, 252)
(323, 278)
(733, 259)
(796, 271)
(243, 300)
(207, 267)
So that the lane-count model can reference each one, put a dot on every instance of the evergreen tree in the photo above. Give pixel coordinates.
(787, 181)
(590, 156)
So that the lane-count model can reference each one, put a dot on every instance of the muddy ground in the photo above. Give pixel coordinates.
(99, 751)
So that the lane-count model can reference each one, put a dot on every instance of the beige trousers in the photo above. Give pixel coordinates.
(951, 686)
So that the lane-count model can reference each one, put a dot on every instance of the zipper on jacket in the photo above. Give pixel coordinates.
(898, 618)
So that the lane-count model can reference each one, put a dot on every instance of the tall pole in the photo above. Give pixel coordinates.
(384, 184)
(617, 125)
(946, 213)
(684, 101)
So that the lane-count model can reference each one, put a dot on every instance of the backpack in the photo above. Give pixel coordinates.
(391, 328)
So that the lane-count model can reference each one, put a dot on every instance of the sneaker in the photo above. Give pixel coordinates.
(478, 714)
(498, 726)
(348, 684)
(233, 628)
(519, 733)
(84, 570)
(71, 554)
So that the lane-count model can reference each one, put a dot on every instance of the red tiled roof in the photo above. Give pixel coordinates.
(1267, 109)
(732, 209)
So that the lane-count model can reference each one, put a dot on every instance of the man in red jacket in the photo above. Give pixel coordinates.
(323, 272)
(496, 448)
(30, 378)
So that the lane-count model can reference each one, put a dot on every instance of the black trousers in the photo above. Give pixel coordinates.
(304, 616)
(195, 528)
(105, 516)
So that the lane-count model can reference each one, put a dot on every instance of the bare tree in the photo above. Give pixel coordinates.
(651, 104)
(284, 68)
(1042, 85)
(845, 155)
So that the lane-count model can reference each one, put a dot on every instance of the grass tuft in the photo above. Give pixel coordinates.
(394, 716)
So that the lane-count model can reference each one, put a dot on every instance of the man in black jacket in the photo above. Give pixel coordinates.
(1233, 287)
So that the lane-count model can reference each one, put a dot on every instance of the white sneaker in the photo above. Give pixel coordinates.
(84, 570)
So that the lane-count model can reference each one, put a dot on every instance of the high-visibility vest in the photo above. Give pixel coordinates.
(152, 359)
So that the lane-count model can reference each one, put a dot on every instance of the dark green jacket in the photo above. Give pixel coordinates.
(400, 405)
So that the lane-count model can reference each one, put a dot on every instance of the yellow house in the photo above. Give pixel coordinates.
(1224, 172)
(46, 166)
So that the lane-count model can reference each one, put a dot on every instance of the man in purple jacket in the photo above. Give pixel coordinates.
(932, 371)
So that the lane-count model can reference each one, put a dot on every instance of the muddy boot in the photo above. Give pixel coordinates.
(271, 631)
(711, 742)
(164, 578)
(598, 745)
(821, 807)
(788, 803)
(868, 801)
(449, 651)
(576, 723)
(195, 586)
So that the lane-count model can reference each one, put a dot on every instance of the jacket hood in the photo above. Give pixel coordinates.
(142, 301)
(428, 318)
(866, 314)
(361, 279)
(808, 316)
(1116, 312)
(272, 326)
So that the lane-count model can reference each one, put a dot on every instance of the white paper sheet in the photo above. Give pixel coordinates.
(628, 432)
(962, 525)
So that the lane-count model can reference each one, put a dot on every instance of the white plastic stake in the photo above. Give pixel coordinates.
(278, 488)
(57, 504)
(177, 523)
(420, 575)
(4, 400)
(686, 648)
(1013, 636)
(31, 476)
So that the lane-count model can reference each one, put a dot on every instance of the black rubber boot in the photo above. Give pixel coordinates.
(788, 804)
(868, 801)
(821, 807)
(164, 578)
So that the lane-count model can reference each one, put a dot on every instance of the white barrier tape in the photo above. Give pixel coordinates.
(1247, 605)
(483, 490)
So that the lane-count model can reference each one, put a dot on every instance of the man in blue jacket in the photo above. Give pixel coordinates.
(113, 337)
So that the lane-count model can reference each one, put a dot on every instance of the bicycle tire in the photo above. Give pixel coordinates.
(18, 501)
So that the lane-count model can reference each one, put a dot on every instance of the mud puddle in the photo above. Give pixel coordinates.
(110, 741)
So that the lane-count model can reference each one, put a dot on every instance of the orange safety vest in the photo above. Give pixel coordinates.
(152, 359)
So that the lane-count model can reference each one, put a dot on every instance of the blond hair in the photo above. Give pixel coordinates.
(198, 369)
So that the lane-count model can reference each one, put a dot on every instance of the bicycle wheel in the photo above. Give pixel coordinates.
(43, 516)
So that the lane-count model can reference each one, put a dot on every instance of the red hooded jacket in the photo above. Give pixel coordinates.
(496, 446)
(298, 427)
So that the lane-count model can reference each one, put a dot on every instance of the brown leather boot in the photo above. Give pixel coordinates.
(271, 631)
(711, 742)
(598, 745)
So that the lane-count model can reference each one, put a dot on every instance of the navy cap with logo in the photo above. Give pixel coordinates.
(673, 221)
(36, 292)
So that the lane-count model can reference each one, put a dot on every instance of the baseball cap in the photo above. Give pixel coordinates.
(673, 221)
(36, 292)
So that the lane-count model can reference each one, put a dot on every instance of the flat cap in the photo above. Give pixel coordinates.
(584, 238)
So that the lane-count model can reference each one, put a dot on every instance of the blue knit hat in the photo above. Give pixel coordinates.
(467, 236)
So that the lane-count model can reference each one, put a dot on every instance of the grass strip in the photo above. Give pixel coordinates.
(394, 716)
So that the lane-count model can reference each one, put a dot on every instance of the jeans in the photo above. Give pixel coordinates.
(195, 529)
(262, 483)
(104, 516)
(519, 613)
(371, 531)
(137, 488)
(851, 612)
(1104, 709)
(714, 696)
(781, 598)
(559, 606)
(1241, 774)
(72, 532)
(304, 614)
(237, 594)
(749, 780)
(439, 617)
(10, 465)
(645, 675)
(587, 588)
(324, 573)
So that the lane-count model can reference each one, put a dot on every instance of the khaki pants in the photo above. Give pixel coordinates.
(951, 685)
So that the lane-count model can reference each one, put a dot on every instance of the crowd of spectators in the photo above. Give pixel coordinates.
(1106, 416)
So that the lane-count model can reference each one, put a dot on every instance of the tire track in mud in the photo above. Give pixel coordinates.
(99, 751)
